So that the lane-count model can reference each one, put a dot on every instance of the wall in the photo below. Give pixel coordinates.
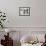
(37, 16)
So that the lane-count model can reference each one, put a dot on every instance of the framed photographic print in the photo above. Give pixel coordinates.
(24, 11)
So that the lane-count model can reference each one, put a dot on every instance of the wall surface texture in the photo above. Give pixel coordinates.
(37, 16)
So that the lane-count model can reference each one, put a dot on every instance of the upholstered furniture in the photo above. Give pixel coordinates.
(32, 40)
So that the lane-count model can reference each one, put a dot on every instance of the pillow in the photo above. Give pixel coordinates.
(26, 44)
(28, 39)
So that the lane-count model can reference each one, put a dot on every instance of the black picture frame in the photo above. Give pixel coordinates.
(21, 10)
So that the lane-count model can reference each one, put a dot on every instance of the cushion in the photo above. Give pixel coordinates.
(26, 39)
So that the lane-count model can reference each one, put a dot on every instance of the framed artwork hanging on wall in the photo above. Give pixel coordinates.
(24, 11)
